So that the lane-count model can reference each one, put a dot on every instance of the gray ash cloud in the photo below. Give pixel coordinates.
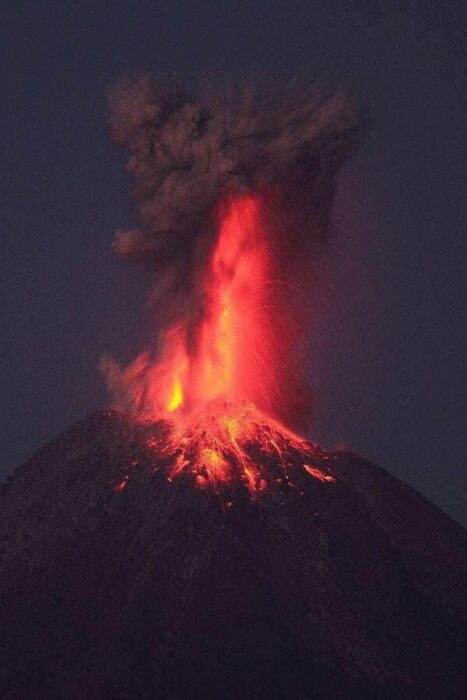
(186, 152)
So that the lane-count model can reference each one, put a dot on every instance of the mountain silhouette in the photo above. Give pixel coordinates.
(336, 581)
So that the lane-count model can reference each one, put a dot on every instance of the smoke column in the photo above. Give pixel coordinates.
(234, 188)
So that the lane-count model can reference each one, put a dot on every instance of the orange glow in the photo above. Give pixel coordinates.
(228, 345)
(216, 379)
(177, 397)
(215, 445)
(231, 353)
(223, 444)
(318, 474)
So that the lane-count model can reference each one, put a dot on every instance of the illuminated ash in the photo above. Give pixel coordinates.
(237, 345)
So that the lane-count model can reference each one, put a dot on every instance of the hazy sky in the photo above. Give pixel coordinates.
(388, 331)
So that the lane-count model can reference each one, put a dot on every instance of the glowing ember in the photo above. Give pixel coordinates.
(318, 474)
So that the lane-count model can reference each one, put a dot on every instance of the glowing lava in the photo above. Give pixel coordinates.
(226, 442)
(228, 353)
(224, 445)
(215, 382)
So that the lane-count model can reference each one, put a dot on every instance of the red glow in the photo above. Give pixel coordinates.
(223, 443)
(217, 379)
(121, 484)
(318, 474)
(231, 353)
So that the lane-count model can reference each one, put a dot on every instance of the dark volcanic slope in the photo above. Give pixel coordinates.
(357, 588)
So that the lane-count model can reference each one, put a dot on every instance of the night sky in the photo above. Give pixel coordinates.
(388, 332)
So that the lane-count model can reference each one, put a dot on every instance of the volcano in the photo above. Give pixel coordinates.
(226, 559)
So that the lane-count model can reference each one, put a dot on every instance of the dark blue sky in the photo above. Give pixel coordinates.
(389, 324)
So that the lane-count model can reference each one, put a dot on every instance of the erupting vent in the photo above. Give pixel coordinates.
(226, 445)
(213, 374)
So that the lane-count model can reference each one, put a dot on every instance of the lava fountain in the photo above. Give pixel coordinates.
(215, 381)
(227, 355)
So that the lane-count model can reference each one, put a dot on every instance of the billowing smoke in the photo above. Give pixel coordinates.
(189, 153)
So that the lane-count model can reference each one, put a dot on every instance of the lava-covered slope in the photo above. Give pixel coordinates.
(335, 581)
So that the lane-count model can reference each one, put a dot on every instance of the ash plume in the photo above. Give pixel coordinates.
(189, 151)
(186, 152)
